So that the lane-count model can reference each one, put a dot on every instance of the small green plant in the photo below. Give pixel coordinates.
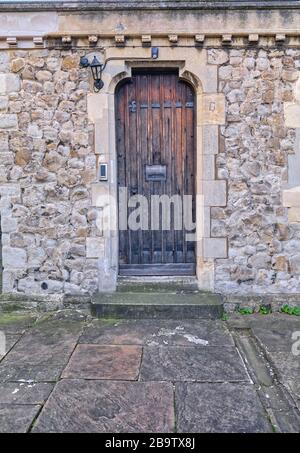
(265, 310)
(287, 309)
(246, 311)
(225, 317)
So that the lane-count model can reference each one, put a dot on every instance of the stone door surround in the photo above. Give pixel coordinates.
(193, 67)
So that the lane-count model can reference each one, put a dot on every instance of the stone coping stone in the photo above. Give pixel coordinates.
(79, 5)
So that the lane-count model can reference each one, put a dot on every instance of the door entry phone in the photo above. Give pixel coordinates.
(103, 172)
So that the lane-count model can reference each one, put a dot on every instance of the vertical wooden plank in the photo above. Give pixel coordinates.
(190, 163)
(159, 131)
(121, 162)
(168, 160)
(156, 152)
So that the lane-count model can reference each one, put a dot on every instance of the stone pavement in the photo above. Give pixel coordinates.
(67, 372)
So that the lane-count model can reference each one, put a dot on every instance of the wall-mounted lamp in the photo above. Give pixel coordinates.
(96, 68)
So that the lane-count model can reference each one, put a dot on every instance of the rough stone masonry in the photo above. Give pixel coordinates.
(47, 166)
(50, 239)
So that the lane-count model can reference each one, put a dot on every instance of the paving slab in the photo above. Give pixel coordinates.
(9, 341)
(17, 419)
(156, 332)
(274, 332)
(222, 408)
(104, 362)
(105, 406)
(205, 363)
(24, 392)
(42, 353)
(287, 369)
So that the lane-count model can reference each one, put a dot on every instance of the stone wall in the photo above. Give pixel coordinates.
(255, 145)
(47, 166)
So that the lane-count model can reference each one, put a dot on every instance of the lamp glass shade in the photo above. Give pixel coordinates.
(96, 68)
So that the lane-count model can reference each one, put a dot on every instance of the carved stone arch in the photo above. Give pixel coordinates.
(192, 79)
(116, 78)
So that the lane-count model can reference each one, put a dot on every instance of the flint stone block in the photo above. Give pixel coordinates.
(8, 121)
(3, 103)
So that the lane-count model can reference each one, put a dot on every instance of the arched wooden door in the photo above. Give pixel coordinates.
(155, 128)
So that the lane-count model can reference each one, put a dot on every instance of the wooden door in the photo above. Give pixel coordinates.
(155, 116)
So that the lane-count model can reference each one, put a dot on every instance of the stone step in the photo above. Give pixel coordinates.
(157, 305)
(157, 285)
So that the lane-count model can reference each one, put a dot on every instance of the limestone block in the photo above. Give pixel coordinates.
(215, 248)
(95, 247)
(102, 136)
(208, 167)
(100, 194)
(3, 103)
(210, 139)
(8, 224)
(215, 193)
(295, 264)
(96, 103)
(14, 258)
(291, 197)
(8, 121)
(297, 90)
(292, 114)
(10, 190)
(203, 222)
(4, 60)
(212, 109)
(217, 56)
(8, 279)
(9, 83)
(294, 215)
(17, 64)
